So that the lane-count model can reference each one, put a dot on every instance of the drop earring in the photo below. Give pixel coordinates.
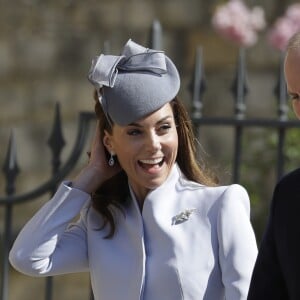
(111, 161)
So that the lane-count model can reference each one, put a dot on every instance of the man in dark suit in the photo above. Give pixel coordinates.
(276, 273)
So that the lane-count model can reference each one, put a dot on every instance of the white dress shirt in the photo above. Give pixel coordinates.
(189, 242)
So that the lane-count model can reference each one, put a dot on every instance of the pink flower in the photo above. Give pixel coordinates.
(257, 18)
(235, 22)
(293, 13)
(285, 27)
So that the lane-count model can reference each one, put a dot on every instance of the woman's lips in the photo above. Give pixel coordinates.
(151, 164)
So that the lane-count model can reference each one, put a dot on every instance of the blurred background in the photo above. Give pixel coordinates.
(46, 48)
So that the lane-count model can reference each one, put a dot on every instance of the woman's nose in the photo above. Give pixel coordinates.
(153, 142)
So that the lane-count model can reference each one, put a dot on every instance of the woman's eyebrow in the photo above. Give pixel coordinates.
(158, 122)
(135, 124)
(164, 119)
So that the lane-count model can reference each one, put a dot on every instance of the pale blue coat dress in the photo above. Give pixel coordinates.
(189, 242)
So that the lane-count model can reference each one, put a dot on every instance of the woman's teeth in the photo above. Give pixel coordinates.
(152, 161)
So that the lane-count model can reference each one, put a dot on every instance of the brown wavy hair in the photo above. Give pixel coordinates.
(115, 191)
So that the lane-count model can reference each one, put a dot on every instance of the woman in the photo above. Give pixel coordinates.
(152, 224)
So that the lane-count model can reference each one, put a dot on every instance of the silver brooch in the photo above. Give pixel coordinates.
(183, 216)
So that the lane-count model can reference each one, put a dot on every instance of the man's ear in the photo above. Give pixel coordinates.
(107, 142)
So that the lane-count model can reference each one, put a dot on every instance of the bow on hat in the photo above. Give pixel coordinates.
(134, 57)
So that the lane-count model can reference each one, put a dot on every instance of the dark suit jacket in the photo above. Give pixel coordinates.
(276, 273)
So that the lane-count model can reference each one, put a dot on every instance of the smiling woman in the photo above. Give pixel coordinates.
(146, 150)
(153, 224)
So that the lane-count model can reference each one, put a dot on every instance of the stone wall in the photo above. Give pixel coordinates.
(46, 48)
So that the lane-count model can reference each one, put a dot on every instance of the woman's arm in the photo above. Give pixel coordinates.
(47, 245)
(237, 243)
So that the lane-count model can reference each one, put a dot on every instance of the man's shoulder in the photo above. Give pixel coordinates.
(291, 177)
(289, 183)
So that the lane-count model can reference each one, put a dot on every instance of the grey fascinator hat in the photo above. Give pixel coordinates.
(134, 84)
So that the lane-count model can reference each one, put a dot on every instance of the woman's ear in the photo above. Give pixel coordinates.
(296, 107)
(107, 142)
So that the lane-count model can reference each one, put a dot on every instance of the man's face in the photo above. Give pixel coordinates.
(292, 76)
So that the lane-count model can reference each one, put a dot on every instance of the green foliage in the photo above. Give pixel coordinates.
(259, 168)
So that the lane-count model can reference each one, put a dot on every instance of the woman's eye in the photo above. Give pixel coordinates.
(165, 127)
(133, 132)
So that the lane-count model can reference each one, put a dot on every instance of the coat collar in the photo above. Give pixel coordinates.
(168, 183)
(160, 196)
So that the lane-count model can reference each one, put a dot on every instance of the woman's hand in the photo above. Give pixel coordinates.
(97, 169)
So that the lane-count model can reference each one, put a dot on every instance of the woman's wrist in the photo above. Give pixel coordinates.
(88, 180)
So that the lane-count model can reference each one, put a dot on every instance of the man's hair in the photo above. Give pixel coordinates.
(294, 42)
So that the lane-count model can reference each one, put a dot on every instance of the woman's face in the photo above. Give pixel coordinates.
(146, 149)
(292, 76)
